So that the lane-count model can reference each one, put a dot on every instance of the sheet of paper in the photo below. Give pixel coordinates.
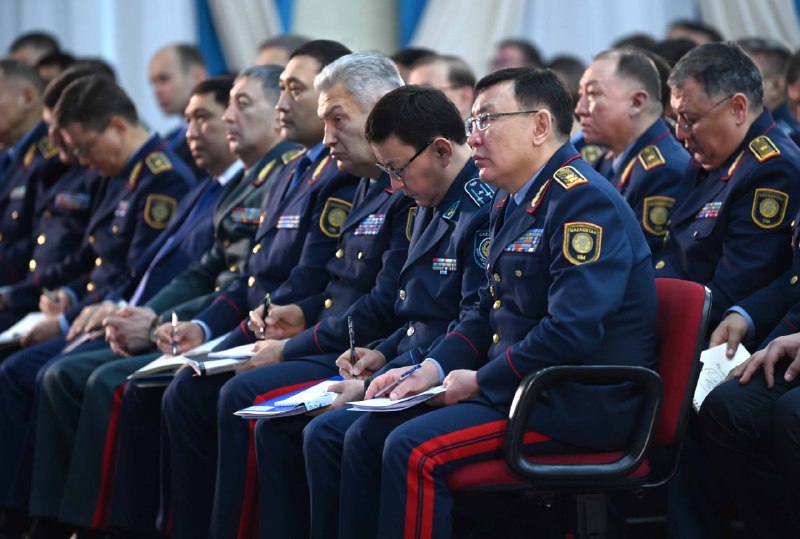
(21, 328)
(309, 394)
(385, 404)
(716, 367)
(237, 352)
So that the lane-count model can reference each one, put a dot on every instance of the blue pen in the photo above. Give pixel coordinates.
(403, 376)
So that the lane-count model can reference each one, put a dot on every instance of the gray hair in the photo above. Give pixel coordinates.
(367, 76)
(720, 69)
(268, 76)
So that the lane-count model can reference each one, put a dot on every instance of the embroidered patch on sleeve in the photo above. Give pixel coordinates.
(158, 210)
(582, 242)
(333, 215)
(769, 207)
(655, 214)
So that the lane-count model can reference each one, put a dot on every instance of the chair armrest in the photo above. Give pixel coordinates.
(531, 389)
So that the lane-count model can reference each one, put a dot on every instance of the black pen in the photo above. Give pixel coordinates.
(267, 304)
(174, 327)
(352, 333)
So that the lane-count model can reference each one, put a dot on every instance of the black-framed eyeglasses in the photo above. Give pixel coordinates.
(85, 149)
(688, 125)
(483, 121)
(397, 173)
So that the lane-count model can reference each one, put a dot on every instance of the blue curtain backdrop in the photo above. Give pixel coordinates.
(208, 41)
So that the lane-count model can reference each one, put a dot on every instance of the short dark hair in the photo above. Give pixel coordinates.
(664, 69)
(636, 65)
(287, 42)
(459, 73)
(673, 50)
(635, 41)
(533, 57)
(92, 102)
(775, 54)
(189, 56)
(569, 69)
(707, 30)
(323, 51)
(268, 76)
(60, 83)
(536, 88)
(720, 69)
(98, 64)
(220, 86)
(41, 41)
(61, 59)
(415, 115)
(793, 68)
(410, 55)
(19, 70)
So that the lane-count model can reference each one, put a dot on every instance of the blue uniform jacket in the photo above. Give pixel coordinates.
(236, 220)
(62, 215)
(787, 122)
(35, 169)
(569, 283)
(732, 232)
(653, 180)
(138, 205)
(363, 273)
(296, 238)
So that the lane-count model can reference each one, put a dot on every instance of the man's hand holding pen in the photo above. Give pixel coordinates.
(186, 336)
(367, 362)
(283, 321)
(422, 379)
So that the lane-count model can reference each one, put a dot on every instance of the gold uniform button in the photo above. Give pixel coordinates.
(496, 277)
(660, 264)
(257, 248)
(90, 287)
(115, 229)
(793, 280)
(15, 215)
(98, 261)
(217, 289)
(496, 304)
(491, 289)
(410, 331)
(226, 244)
(339, 253)
(41, 239)
(47, 214)
(234, 268)
(695, 234)
(518, 273)
(91, 239)
(360, 255)
(328, 303)
(251, 282)
(402, 295)
(495, 338)
(32, 265)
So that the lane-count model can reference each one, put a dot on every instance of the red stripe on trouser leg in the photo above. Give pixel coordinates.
(420, 495)
(103, 506)
(248, 518)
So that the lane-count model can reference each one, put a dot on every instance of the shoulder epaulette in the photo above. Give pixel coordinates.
(479, 192)
(158, 162)
(134, 176)
(264, 172)
(321, 168)
(591, 153)
(29, 155)
(568, 177)
(47, 147)
(650, 157)
(291, 155)
(763, 148)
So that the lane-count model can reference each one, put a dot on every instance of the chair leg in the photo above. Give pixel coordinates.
(592, 523)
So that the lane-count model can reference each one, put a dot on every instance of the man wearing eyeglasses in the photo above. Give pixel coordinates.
(569, 282)
(733, 231)
(620, 109)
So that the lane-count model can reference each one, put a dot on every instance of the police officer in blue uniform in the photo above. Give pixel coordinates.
(62, 212)
(439, 280)
(34, 168)
(732, 233)
(569, 282)
(620, 109)
(85, 384)
(143, 184)
(297, 236)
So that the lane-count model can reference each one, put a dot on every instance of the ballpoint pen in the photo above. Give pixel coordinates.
(352, 334)
(267, 304)
(394, 384)
(174, 327)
